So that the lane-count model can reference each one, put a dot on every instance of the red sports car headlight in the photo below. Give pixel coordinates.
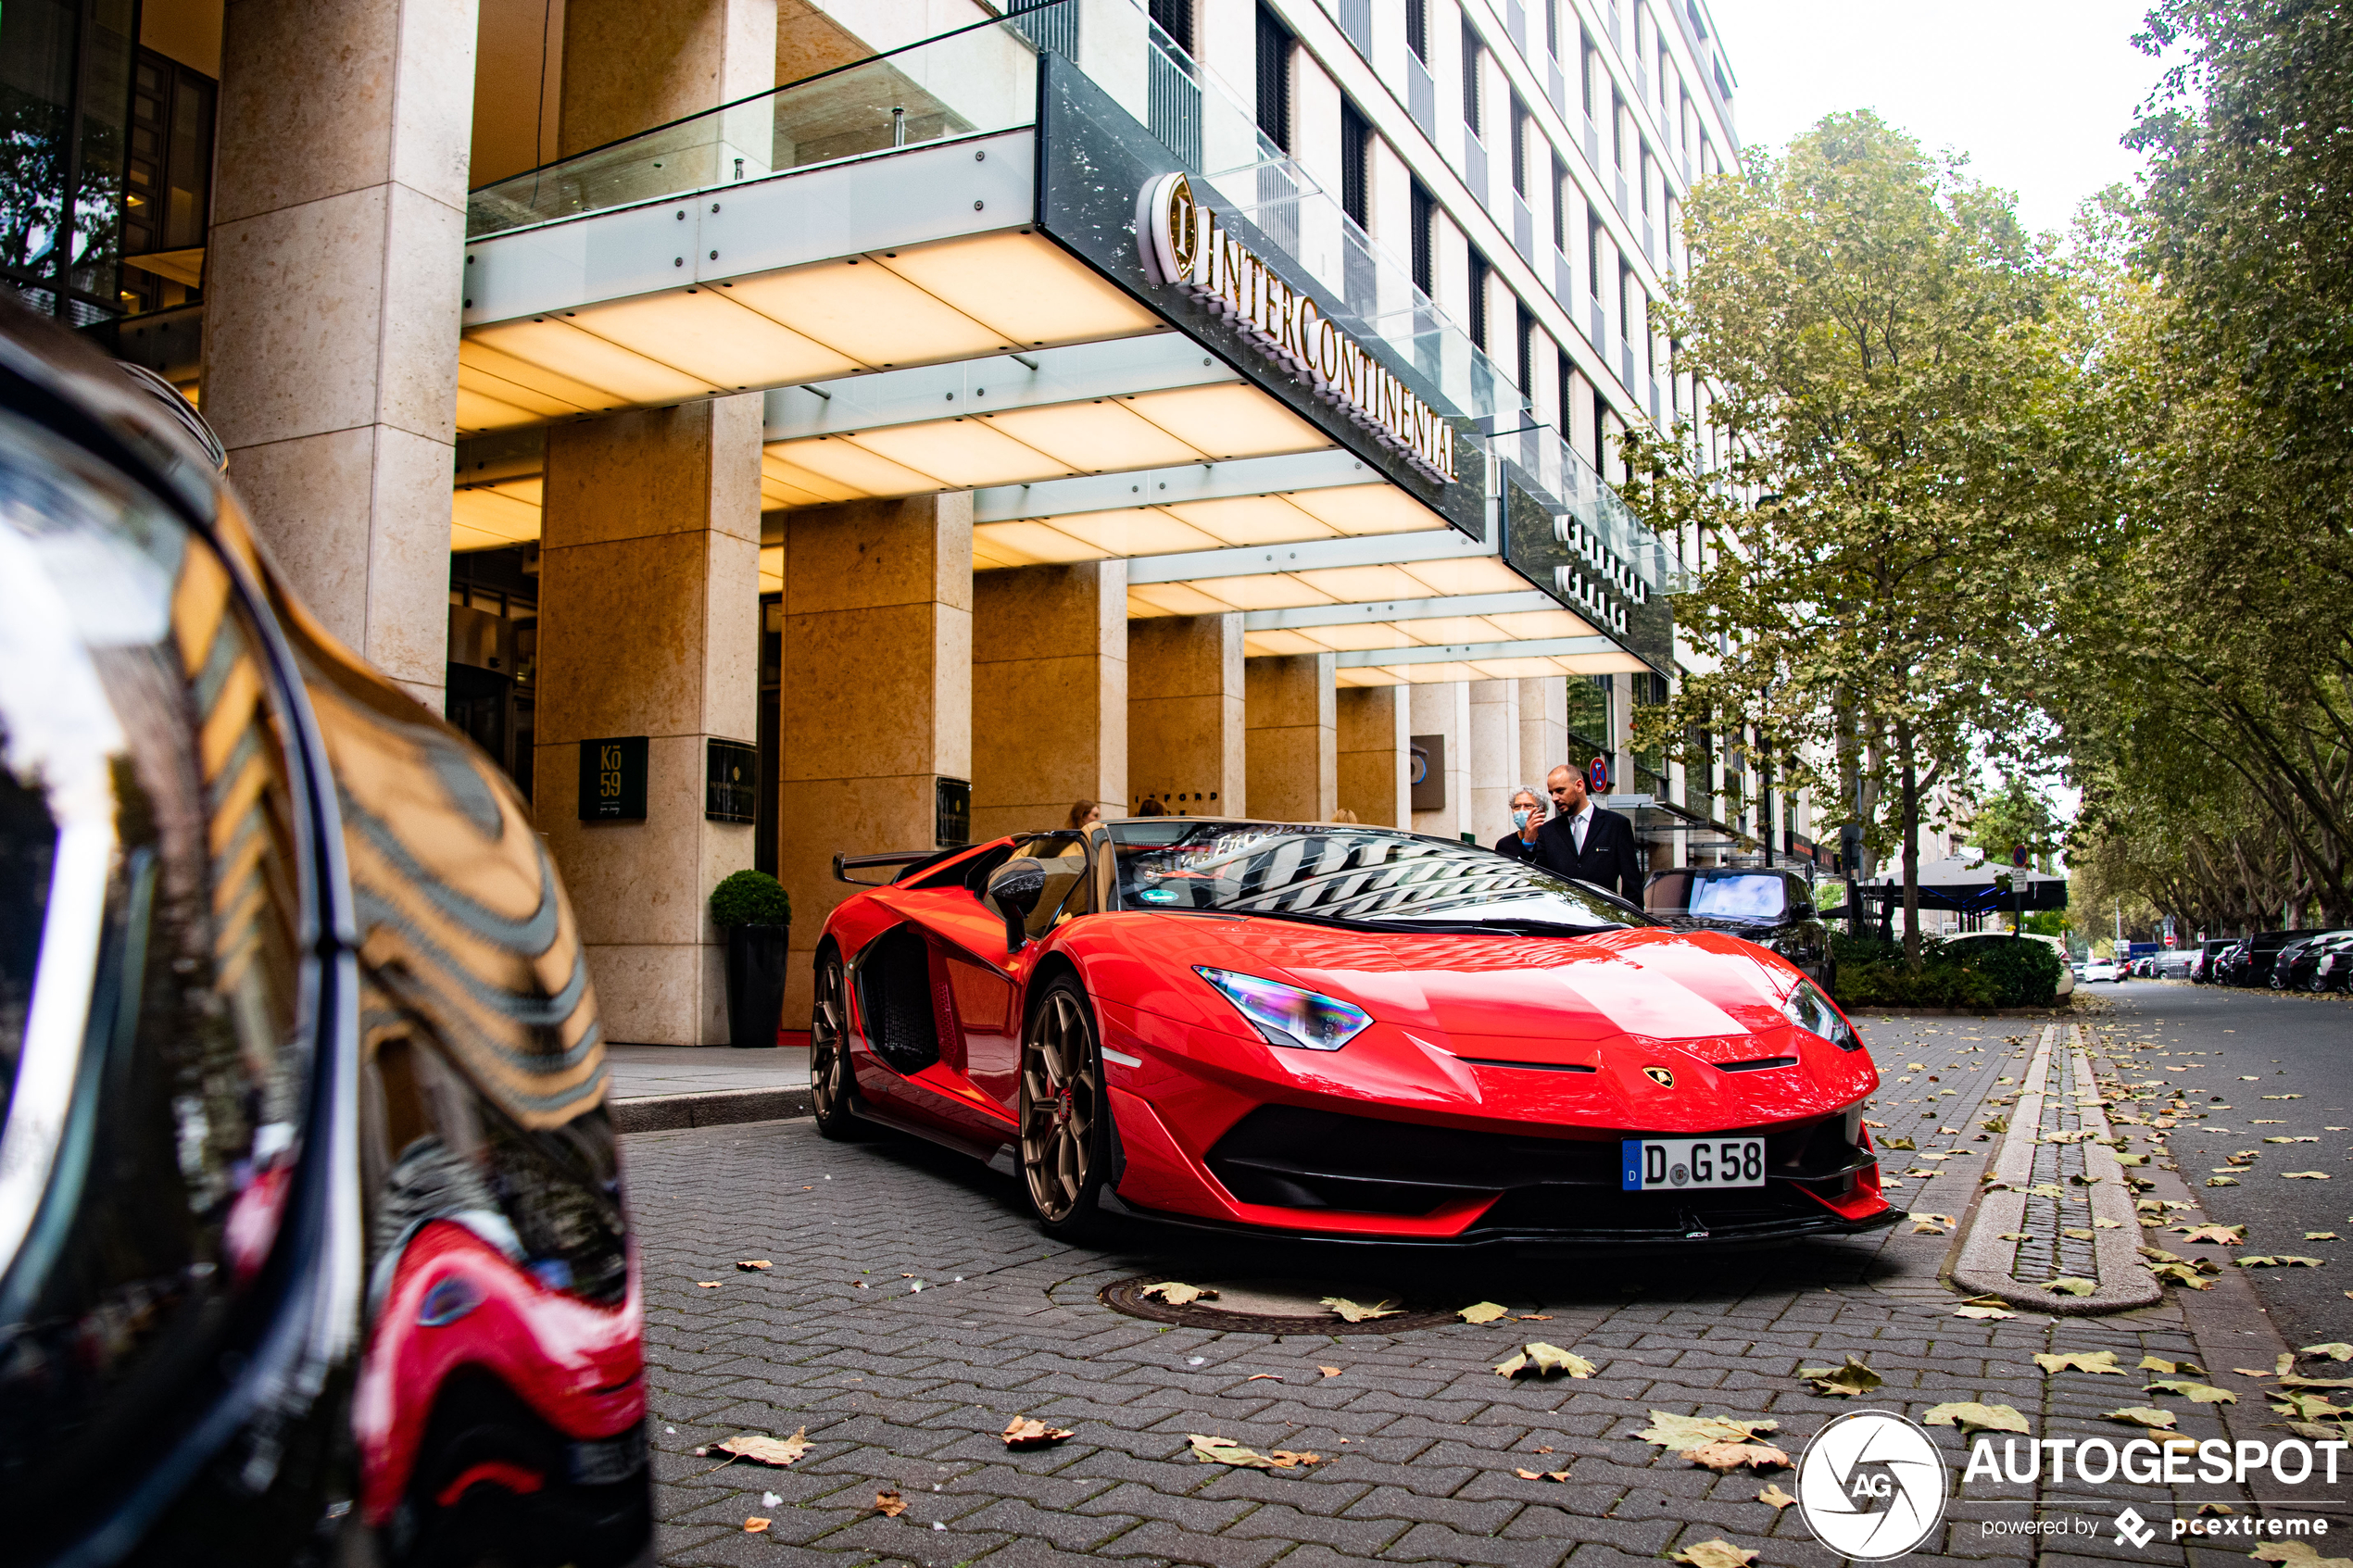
(1286, 1015)
(1811, 1010)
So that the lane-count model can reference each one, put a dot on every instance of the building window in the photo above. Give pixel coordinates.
(1594, 258)
(65, 91)
(1527, 378)
(1355, 161)
(1519, 145)
(1175, 17)
(1274, 79)
(1470, 82)
(1553, 28)
(1418, 29)
(1479, 272)
(168, 197)
(1424, 225)
(1560, 207)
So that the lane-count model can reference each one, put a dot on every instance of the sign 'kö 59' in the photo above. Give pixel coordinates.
(1183, 245)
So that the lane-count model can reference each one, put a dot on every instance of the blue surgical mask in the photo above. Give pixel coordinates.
(1519, 817)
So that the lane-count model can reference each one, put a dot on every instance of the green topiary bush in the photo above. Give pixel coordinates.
(750, 899)
(1972, 974)
(2026, 974)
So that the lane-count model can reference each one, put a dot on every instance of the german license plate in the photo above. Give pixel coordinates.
(1680, 1164)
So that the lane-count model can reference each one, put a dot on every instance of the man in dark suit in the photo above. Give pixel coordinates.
(1586, 842)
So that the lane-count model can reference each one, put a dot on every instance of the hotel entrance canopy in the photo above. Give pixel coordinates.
(930, 263)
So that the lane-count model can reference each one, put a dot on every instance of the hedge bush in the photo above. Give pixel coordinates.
(750, 899)
(1871, 973)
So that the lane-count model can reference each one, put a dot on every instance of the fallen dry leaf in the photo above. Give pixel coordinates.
(2304, 1175)
(1840, 1382)
(1483, 1311)
(2284, 1261)
(1176, 1294)
(2334, 1349)
(1714, 1554)
(1023, 1432)
(1682, 1433)
(707, 1283)
(2219, 1236)
(1971, 1416)
(1973, 1309)
(1731, 1456)
(1271, 1377)
(2196, 1393)
(1220, 1450)
(2298, 1554)
(890, 1505)
(2159, 1363)
(1328, 1371)
(754, 1265)
(2081, 1360)
(1774, 1495)
(2222, 1181)
(2143, 1415)
(755, 1524)
(1544, 1361)
(1357, 1311)
(1540, 1474)
(2071, 1285)
(763, 1450)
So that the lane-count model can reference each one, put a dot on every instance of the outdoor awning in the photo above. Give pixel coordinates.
(1972, 886)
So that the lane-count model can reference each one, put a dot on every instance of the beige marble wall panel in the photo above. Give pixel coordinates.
(293, 311)
(823, 818)
(408, 561)
(1186, 744)
(1543, 726)
(731, 652)
(656, 994)
(323, 126)
(1292, 746)
(654, 471)
(1494, 757)
(1372, 761)
(621, 638)
(320, 544)
(1049, 694)
(1442, 708)
(860, 555)
(808, 41)
(630, 65)
(632, 883)
(422, 312)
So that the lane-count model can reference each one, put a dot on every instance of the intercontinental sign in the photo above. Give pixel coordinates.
(1183, 245)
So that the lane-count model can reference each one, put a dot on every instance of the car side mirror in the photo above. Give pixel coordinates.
(1015, 887)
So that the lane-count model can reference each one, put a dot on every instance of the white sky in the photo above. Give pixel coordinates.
(2035, 92)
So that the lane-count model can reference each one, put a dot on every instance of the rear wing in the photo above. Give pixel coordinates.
(907, 859)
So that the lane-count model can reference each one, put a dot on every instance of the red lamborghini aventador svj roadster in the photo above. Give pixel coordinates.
(1342, 1032)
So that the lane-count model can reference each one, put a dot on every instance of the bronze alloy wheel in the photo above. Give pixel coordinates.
(1063, 1119)
(829, 1076)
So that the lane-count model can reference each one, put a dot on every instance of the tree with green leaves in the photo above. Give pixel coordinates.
(1897, 440)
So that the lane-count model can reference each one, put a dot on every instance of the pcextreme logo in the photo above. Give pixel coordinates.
(1871, 1486)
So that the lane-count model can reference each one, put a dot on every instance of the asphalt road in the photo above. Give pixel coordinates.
(2214, 1040)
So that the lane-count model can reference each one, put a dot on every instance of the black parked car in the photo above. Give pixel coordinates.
(2250, 962)
(2334, 969)
(1773, 908)
(2299, 962)
(2209, 952)
(312, 1239)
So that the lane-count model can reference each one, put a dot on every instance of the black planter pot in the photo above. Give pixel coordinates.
(755, 983)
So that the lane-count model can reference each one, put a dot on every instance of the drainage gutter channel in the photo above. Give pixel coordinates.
(1987, 1264)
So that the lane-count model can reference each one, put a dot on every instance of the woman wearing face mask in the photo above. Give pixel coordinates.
(1528, 815)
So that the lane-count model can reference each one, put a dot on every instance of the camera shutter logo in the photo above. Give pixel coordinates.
(1871, 1486)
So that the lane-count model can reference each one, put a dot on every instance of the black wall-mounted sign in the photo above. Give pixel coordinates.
(1093, 161)
(613, 780)
(731, 781)
(1427, 775)
(954, 813)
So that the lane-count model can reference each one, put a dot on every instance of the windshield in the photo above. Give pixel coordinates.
(1735, 895)
(1355, 874)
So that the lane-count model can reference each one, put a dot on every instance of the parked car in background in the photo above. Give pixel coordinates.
(2102, 969)
(312, 1247)
(2174, 963)
(1773, 909)
(2212, 948)
(2333, 970)
(2300, 961)
(2250, 962)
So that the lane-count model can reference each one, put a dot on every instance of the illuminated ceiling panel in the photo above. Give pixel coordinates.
(1250, 520)
(1364, 508)
(704, 333)
(867, 311)
(630, 378)
(1362, 584)
(1542, 623)
(1024, 287)
(1173, 598)
(478, 411)
(1259, 645)
(771, 570)
(1230, 421)
(1366, 678)
(1355, 638)
(961, 453)
(1271, 590)
(494, 372)
(1028, 544)
(1095, 437)
(488, 517)
(1469, 574)
(1451, 629)
(852, 466)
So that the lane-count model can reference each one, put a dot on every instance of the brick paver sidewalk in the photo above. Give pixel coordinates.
(906, 1387)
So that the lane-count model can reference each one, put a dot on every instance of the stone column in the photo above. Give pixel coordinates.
(1494, 757)
(1543, 728)
(1294, 743)
(631, 65)
(331, 282)
(1185, 712)
(648, 626)
(1373, 760)
(1442, 708)
(877, 701)
(1050, 695)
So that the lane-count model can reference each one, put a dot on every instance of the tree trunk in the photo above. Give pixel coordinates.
(1910, 768)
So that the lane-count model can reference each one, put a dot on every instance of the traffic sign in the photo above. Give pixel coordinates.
(1597, 775)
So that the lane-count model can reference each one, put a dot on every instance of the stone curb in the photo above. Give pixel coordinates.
(1871, 1009)
(720, 1108)
(1983, 1264)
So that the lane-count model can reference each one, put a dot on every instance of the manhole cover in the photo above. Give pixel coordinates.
(1272, 1306)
